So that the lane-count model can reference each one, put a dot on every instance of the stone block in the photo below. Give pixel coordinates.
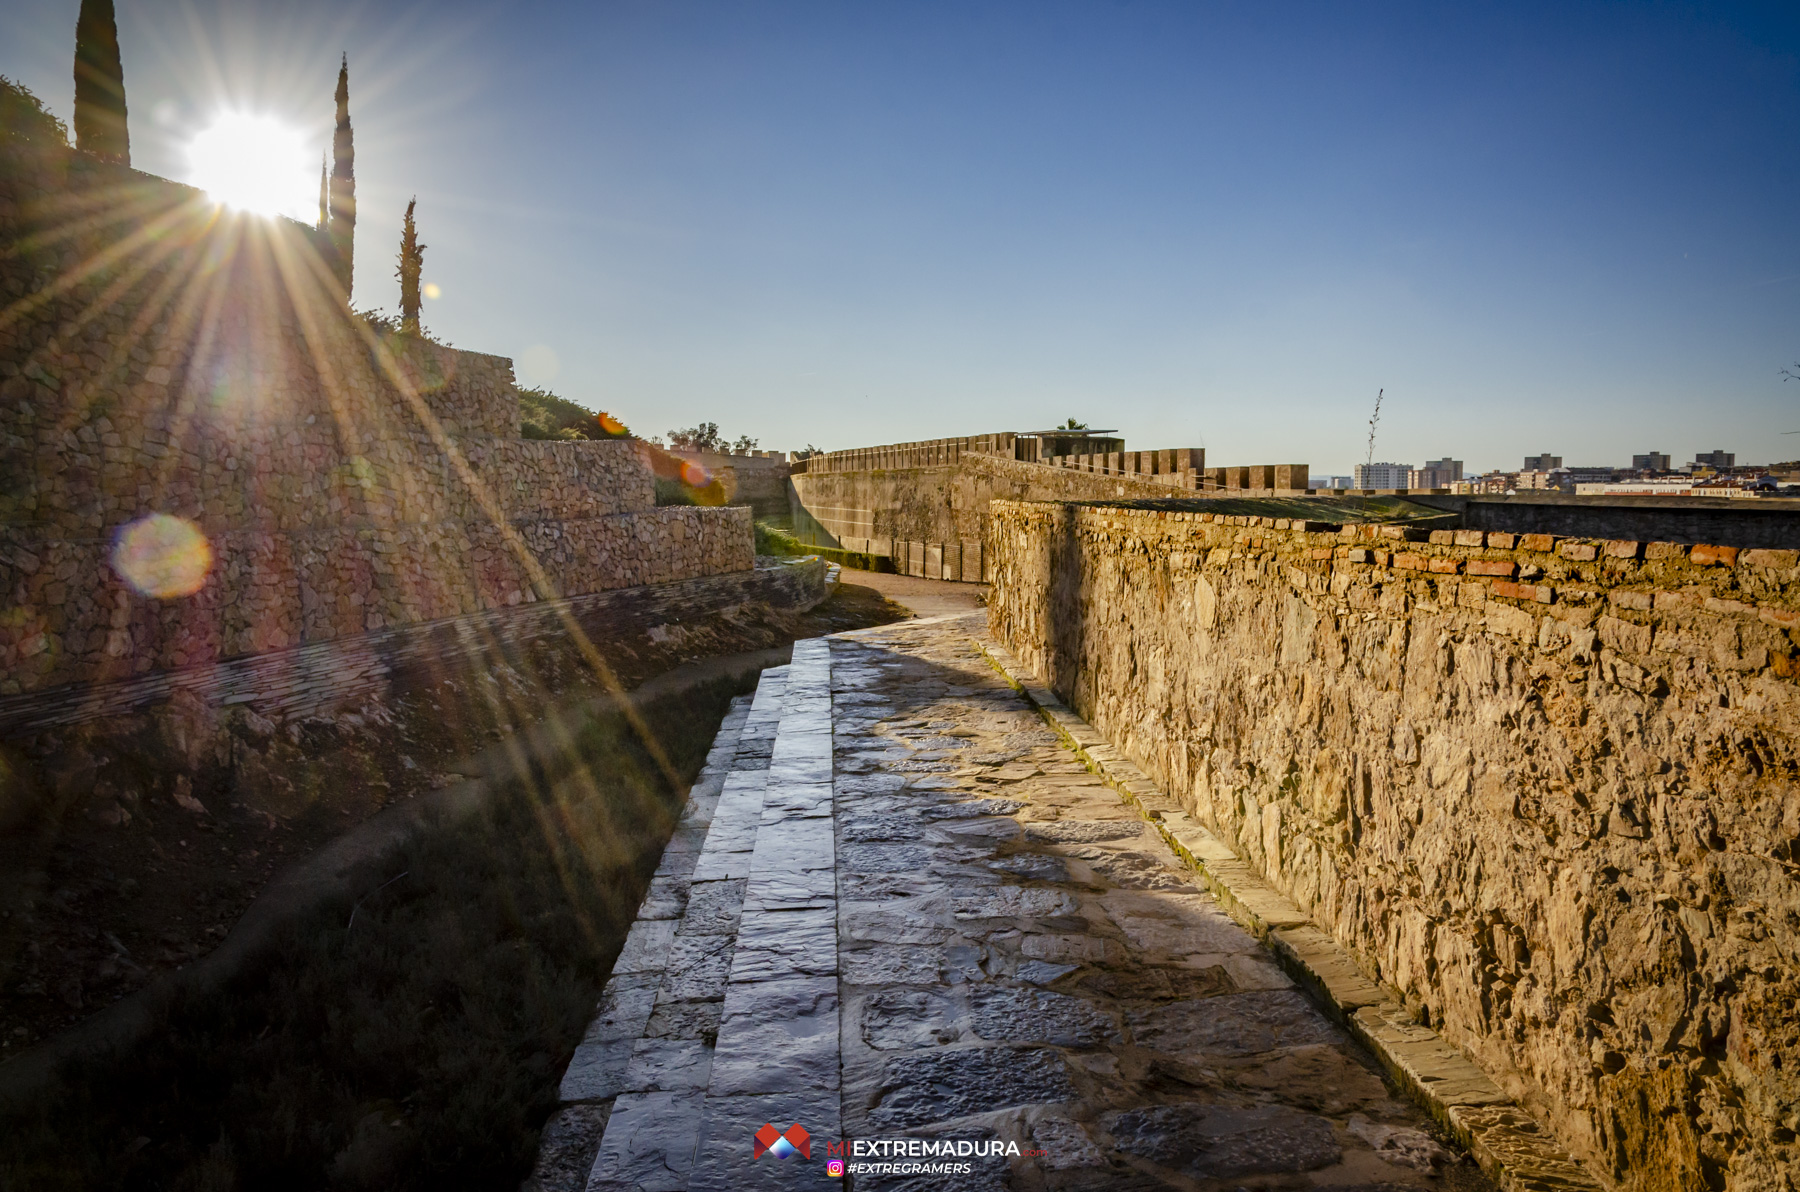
(1713, 556)
(1662, 551)
(1783, 560)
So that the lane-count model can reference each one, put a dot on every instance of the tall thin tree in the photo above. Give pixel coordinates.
(342, 216)
(100, 126)
(412, 263)
(324, 191)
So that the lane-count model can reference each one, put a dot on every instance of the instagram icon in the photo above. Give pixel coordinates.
(835, 1169)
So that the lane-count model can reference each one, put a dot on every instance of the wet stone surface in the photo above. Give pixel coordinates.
(931, 922)
(1022, 959)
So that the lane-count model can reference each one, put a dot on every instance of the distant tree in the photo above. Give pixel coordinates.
(744, 445)
(704, 437)
(808, 452)
(100, 123)
(341, 218)
(1072, 424)
(412, 261)
(23, 118)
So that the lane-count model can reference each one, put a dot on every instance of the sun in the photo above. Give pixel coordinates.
(254, 163)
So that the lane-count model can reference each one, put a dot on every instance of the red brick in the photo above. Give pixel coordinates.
(1505, 567)
(1543, 542)
(1708, 556)
(1445, 566)
(1409, 562)
(1468, 537)
(1323, 552)
(1581, 552)
(1540, 593)
(1443, 537)
(1357, 555)
(1786, 618)
(1620, 549)
(1770, 558)
(1499, 541)
(1382, 557)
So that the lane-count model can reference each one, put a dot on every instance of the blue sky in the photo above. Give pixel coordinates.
(1564, 227)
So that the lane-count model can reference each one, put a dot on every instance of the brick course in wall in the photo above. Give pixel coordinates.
(1543, 788)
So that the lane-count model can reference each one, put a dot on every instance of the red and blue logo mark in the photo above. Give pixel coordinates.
(783, 1145)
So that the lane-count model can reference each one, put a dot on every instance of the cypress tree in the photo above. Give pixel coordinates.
(324, 191)
(100, 126)
(412, 262)
(342, 221)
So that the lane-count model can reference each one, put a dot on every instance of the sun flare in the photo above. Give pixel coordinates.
(254, 163)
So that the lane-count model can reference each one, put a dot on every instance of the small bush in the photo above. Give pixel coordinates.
(24, 118)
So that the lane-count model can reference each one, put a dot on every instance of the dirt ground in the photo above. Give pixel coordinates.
(158, 830)
(922, 597)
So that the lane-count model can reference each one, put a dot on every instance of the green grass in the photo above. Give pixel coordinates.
(418, 1047)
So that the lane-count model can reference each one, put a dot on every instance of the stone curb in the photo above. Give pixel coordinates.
(1510, 1146)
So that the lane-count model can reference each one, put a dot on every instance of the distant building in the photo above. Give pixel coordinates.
(1542, 463)
(1715, 459)
(1437, 473)
(1451, 468)
(1650, 461)
(1383, 475)
(1330, 482)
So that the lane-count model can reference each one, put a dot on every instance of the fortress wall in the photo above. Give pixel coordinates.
(758, 480)
(158, 356)
(1544, 789)
(914, 514)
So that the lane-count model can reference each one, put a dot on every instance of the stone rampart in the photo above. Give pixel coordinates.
(932, 520)
(158, 356)
(1543, 788)
(757, 479)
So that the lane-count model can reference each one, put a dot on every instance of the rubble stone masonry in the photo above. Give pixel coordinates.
(160, 356)
(1543, 788)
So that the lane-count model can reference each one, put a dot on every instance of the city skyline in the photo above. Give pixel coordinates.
(1207, 226)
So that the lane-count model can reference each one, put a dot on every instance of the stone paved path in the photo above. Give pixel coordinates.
(898, 907)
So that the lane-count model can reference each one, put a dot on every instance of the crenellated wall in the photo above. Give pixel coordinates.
(1544, 788)
(159, 356)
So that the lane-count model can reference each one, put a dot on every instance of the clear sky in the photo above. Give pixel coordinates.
(1566, 227)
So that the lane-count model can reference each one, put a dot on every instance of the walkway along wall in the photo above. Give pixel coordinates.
(1544, 788)
(158, 356)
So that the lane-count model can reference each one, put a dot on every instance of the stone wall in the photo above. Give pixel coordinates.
(158, 356)
(757, 479)
(1544, 789)
(932, 521)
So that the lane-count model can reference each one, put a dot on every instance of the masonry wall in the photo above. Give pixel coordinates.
(158, 356)
(1544, 788)
(758, 479)
(915, 515)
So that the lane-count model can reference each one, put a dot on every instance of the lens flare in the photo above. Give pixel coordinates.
(433, 291)
(694, 476)
(609, 424)
(162, 556)
(254, 163)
